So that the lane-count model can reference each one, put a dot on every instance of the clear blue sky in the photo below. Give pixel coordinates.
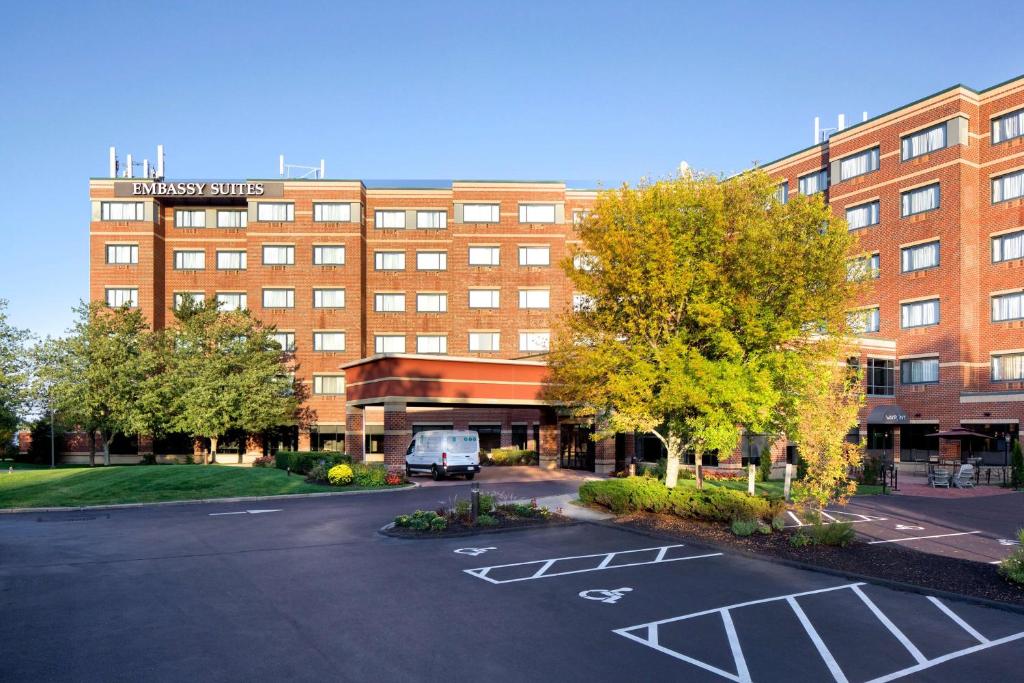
(604, 91)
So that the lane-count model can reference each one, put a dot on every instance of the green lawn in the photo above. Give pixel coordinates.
(74, 486)
(767, 488)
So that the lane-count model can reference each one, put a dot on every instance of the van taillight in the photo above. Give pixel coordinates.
(444, 460)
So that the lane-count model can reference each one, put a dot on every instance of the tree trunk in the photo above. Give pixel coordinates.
(213, 449)
(92, 448)
(698, 466)
(674, 450)
(106, 448)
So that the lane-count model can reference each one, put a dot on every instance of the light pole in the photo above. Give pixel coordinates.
(53, 457)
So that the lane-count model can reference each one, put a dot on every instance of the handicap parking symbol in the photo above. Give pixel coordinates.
(908, 527)
(610, 597)
(473, 551)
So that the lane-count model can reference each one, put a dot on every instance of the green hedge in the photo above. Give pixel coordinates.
(301, 462)
(511, 456)
(645, 494)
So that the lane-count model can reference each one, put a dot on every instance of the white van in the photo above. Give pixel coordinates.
(444, 451)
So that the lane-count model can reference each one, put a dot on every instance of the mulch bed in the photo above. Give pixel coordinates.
(506, 522)
(888, 562)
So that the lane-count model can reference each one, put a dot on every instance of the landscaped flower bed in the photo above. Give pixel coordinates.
(355, 475)
(456, 518)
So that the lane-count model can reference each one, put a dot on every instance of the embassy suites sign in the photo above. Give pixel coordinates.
(197, 189)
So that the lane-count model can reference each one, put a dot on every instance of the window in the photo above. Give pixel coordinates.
(122, 211)
(920, 313)
(536, 213)
(189, 260)
(484, 342)
(863, 267)
(534, 298)
(534, 341)
(329, 385)
(389, 260)
(278, 298)
(782, 193)
(431, 303)
(332, 212)
(920, 200)
(862, 216)
(328, 298)
(231, 260)
(1008, 307)
(431, 343)
(431, 220)
(189, 218)
(919, 257)
(925, 141)
(919, 371)
(584, 262)
(858, 164)
(328, 256)
(881, 377)
(483, 298)
(431, 260)
(580, 215)
(534, 256)
(1008, 126)
(864, 321)
(582, 302)
(484, 256)
(232, 301)
(275, 211)
(328, 341)
(232, 219)
(389, 219)
(179, 298)
(1008, 367)
(813, 183)
(122, 254)
(389, 303)
(480, 213)
(286, 340)
(389, 343)
(1007, 247)
(1007, 187)
(275, 255)
(123, 296)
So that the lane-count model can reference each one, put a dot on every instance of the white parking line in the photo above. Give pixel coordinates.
(920, 538)
(241, 512)
(911, 648)
(960, 622)
(830, 515)
(819, 644)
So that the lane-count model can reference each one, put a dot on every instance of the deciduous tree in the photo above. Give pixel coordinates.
(13, 376)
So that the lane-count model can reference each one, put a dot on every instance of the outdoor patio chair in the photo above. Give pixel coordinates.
(938, 478)
(964, 477)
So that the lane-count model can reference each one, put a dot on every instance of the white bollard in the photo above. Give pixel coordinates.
(750, 480)
(789, 481)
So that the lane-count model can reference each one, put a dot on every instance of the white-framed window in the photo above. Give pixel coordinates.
(1008, 247)
(389, 260)
(582, 302)
(1008, 126)
(431, 302)
(122, 211)
(286, 340)
(1007, 187)
(580, 215)
(431, 343)
(189, 260)
(431, 260)
(480, 213)
(278, 255)
(484, 298)
(232, 301)
(862, 216)
(484, 256)
(782, 192)
(919, 371)
(919, 257)
(1008, 307)
(232, 219)
(534, 298)
(389, 343)
(812, 183)
(864, 321)
(122, 254)
(863, 267)
(920, 200)
(276, 212)
(232, 260)
(279, 298)
(121, 296)
(859, 164)
(324, 255)
(328, 385)
(332, 212)
(919, 313)
(179, 298)
(534, 341)
(924, 142)
(431, 220)
(328, 341)
(389, 303)
(536, 213)
(484, 342)
(535, 256)
(1007, 366)
(584, 262)
(328, 297)
(189, 218)
(389, 219)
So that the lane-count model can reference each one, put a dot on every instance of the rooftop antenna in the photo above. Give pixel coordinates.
(160, 161)
(112, 162)
(297, 171)
(822, 134)
(864, 116)
(145, 168)
(128, 166)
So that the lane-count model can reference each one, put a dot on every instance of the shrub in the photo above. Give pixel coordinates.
(422, 520)
(148, 459)
(317, 474)
(263, 461)
(838, 534)
(778, 522)
(1017, 466)
(301, 462)
(512, 456)
(636, 494)
(764, 467)
(369, 475)
(39, 447)
(339, 475)
(744, 527)
(487, 502)
(870, 472)
(800, 540)
(486, 520)
(1013, 566)
(394, 479)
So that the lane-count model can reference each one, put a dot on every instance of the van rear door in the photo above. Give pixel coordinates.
(462, 448)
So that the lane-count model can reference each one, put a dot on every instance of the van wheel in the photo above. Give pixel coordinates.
(408, 471)
(470, 475)
(436, 474)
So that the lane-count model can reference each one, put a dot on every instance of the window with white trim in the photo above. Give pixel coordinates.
(431, 260)
(534, 298)
(1007, 367)
(122, 254)
(1008, 307)
(580, 215)
(190, 260)
(1007, 187)
(782, 192)
(924, 142)
(864, 321)
(328, 298)
(1008, 126)
(534, 341)
(328, 385)
(179, 298)
(232, 219)
(389, 260)
(328, 341)
(431, 343)
(122, 211)
(279, 298)
(582, 302)
(231, 260)
(813, 183)
(919, 371)
(431, 220)
(431, 302)
(535, 256)
(389, 343)
(863, 267)
(584, 262)
(536, 213)
(276, 212)
(332, 212)
(480, 213)
(286, 340)
(862, 216)
(484, 342)
(1008, 247)
(920, 200)
(122, 296)
(859, 164)
(484, 298)
(919, 313)
(324, 255)
(484, 256)
(232, 301)
(278, 255)
(189, 218)
(881, 375)
(394, 220)
(389, 303)
(919, 257)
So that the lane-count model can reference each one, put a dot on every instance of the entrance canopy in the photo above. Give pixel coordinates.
(887, 415)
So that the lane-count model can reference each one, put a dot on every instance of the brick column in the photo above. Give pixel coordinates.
(145, 445)
(547, 449)
(396, 436)
(506, 435)
(355, 436)
(630, 447)
(304, 439)
(896, 432)
(254, 444)
(604, 456)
